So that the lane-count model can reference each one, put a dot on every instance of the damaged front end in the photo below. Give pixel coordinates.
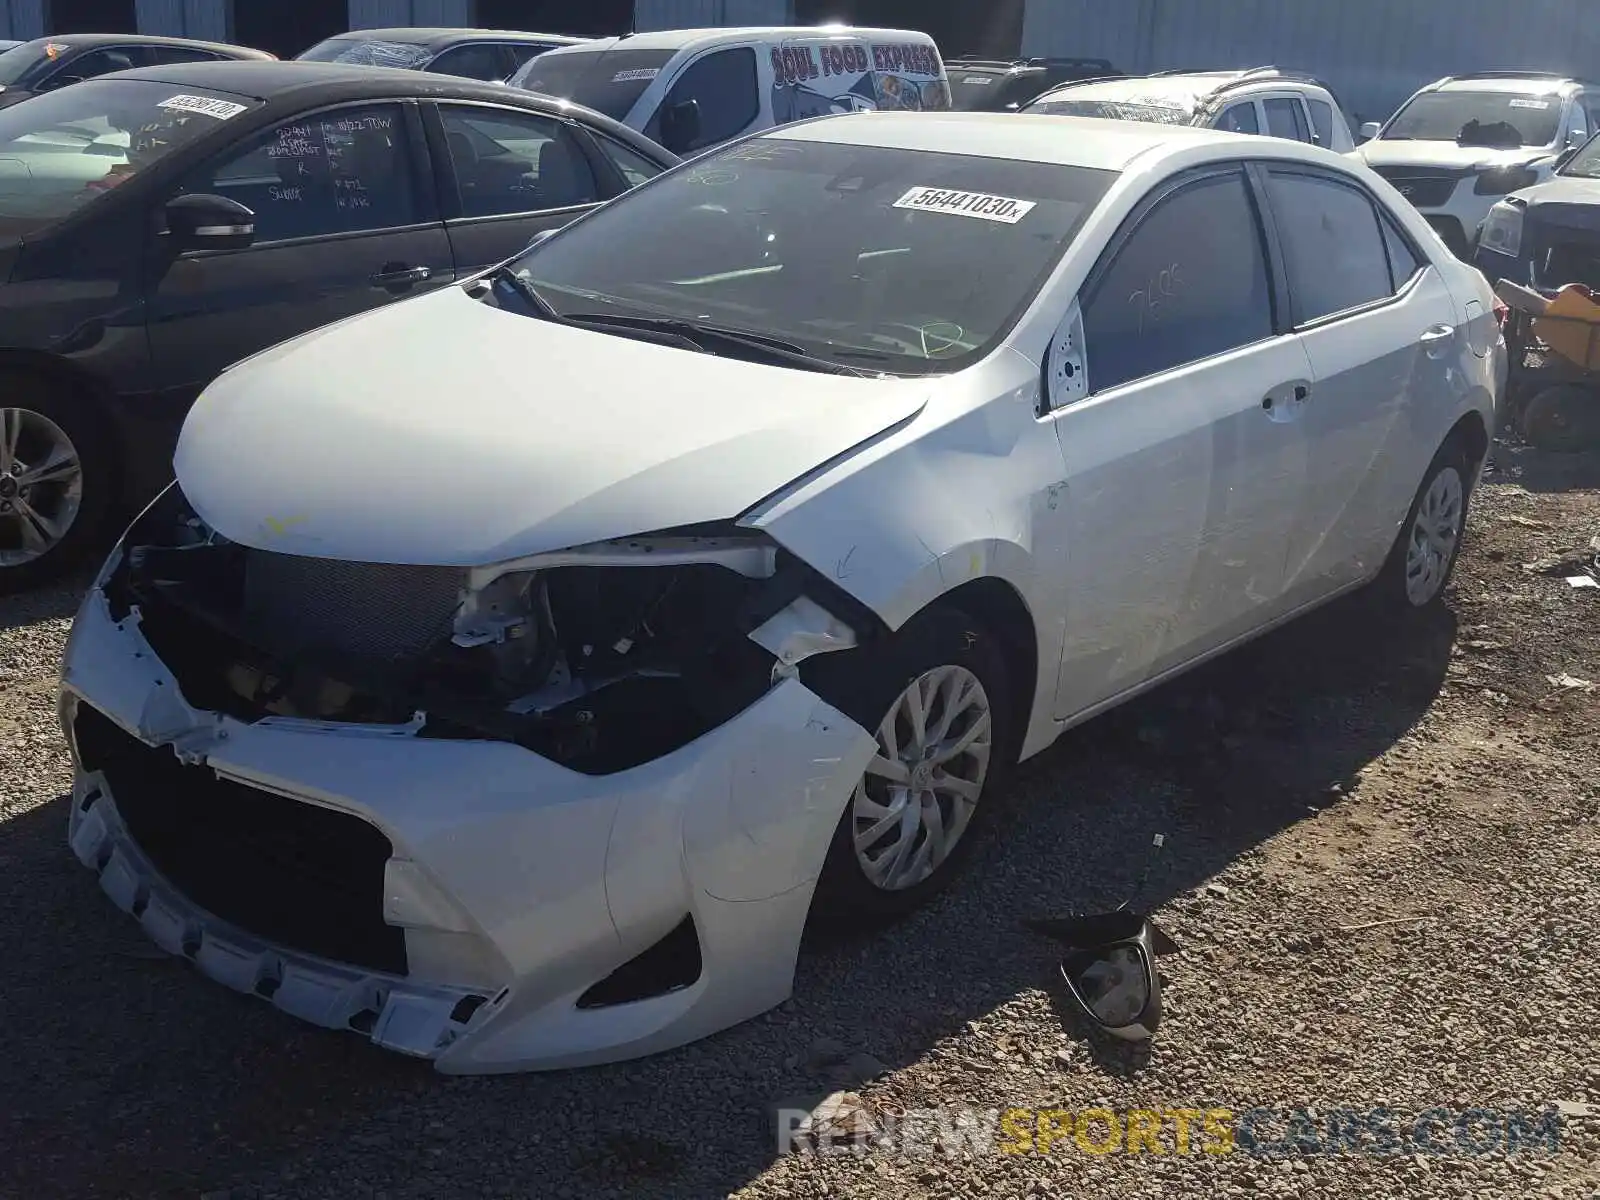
(599, 658)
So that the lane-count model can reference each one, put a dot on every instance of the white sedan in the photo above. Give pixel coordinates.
(512, 672)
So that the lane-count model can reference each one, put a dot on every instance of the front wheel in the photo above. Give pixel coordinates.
(1424, 555)
(943, 745)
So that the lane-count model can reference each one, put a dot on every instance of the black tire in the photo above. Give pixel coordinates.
(938, 638)
(77, 418)
(1564, 419)
(1391, 591)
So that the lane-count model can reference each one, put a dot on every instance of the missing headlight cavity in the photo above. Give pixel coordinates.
(601, 658)
(671, 965)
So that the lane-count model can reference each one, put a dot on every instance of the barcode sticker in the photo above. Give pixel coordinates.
(205, 105)
(637, 76)
(1519, 102)
(966, 204)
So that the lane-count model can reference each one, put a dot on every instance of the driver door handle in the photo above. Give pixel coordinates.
(397, 276)
(1435, 337)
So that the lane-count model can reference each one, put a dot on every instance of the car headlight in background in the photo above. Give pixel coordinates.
(1502, 229)
(1501, 181)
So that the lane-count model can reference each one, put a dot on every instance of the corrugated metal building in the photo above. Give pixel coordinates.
(1374, 52)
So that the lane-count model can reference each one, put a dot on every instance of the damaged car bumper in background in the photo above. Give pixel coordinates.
(618, 861)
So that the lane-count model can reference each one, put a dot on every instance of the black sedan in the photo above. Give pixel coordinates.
(157, 226)
(492, 55)
(44, 64)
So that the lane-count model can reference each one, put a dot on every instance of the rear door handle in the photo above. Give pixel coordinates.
(1284, 402)
(402, 277)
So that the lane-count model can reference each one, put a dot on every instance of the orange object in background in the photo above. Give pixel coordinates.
(1568, 326)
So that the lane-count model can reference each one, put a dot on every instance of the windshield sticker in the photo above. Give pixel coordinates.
(53, 50)
(637, 76)
(205, 105)
(978, 80)
(966, 204)
(1521, 103)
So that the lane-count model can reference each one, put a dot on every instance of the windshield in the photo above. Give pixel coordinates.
(60, 150)
(897, 261)
(608, 81)
(369, 52)
(1112, 110)
(1478, 119)
(25, 57)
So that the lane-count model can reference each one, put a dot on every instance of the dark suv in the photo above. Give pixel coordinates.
(986, 85)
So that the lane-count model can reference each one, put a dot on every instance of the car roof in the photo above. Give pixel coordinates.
(441, 37)
(1504, 83)
(1026, 137)
(688, 39)
(312, 82)
(86, 41)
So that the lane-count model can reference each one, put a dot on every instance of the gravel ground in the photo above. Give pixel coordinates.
(1441, 779)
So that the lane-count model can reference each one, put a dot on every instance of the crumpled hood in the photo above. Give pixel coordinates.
(445, 431)
(1447, 155)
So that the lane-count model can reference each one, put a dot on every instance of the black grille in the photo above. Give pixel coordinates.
(363, 611)
(305, 877)
(1425, 189)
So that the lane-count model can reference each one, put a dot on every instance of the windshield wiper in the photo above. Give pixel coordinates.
(705, 337)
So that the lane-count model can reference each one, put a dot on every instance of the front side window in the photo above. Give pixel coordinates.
(1240, 118)
(886, 260)
(635, 167)
(1189, 283)
(1333, 246)
(1321, 121)
(91, 64)
(346, 171)
(483, 61)
(724, 85)
(1286, 120)
(1496, 119)
(508, 162)
(1403, 260)
(63, 149)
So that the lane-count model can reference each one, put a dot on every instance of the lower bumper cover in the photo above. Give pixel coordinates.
(543, 881)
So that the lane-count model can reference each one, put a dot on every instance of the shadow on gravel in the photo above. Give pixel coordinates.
(132, 1076)
(1542, 472)
(51, 603)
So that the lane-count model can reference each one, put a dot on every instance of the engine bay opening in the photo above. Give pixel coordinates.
(600, 659)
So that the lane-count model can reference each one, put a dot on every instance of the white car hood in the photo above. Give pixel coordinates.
(444, 431)
(1446, 154)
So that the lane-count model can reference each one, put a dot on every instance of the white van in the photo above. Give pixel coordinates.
(691, 89)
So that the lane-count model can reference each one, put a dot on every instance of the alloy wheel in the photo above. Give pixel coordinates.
(920, 791)
(41, 486)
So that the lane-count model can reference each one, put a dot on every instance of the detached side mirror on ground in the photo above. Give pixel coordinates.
(680, 126)
(204, 222)
(1369, 130)
(1110, 969)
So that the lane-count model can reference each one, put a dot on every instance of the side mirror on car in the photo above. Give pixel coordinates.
(205, 222)
(1369, 130)
(680, 125)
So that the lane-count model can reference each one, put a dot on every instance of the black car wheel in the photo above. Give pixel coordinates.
(55, 480)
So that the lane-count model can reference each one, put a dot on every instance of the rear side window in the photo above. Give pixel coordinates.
(1189, 283)
(1321, 120)
(1403, 260)
(1333, 244)
(724, 83)
(484, 61)
(1240, 118)
(1286, 119)
(635, 167)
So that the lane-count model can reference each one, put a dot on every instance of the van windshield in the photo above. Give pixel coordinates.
(608, 81)
(871, 258)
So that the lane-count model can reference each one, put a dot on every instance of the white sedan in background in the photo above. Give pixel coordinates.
(512, 672)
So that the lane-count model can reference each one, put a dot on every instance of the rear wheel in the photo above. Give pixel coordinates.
(1564, 419)
(1425, 553)
(55, 481)
(943, 745)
